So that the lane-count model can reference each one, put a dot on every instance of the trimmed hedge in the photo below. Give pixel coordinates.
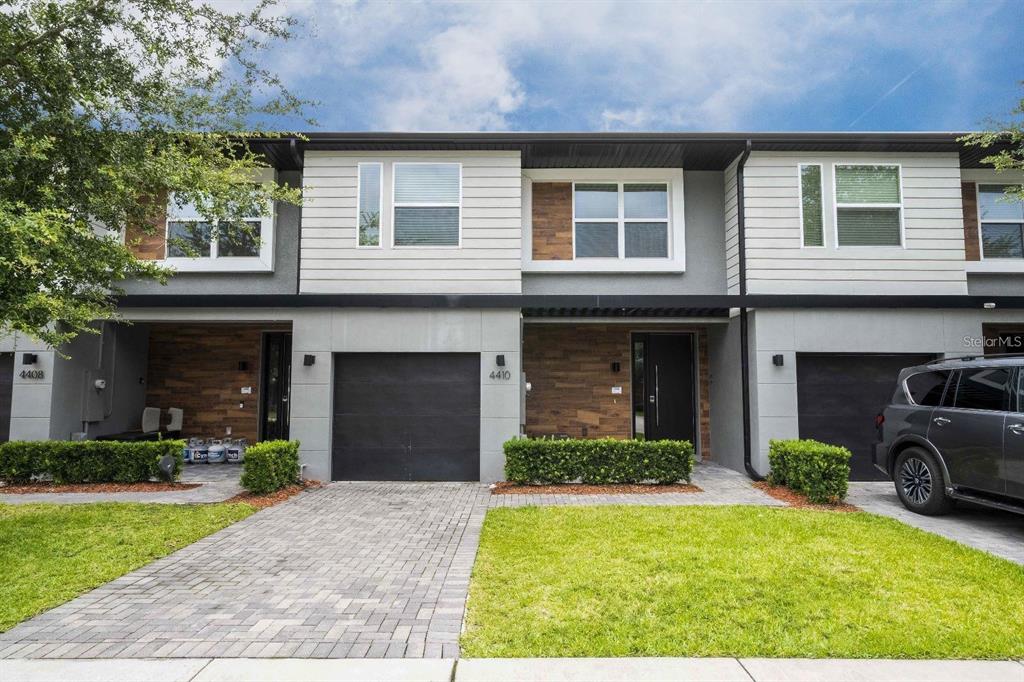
(818, 470)
(270, 465)
(87, 461)
(597, 461)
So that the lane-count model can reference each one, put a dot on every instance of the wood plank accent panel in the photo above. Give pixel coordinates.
(149, 243)
(195, 367)
(570, 369)
(972, 245)
(552, 221)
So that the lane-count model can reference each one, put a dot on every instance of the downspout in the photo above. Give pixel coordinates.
(744, 336)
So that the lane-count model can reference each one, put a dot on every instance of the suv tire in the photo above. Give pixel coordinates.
(920, 484)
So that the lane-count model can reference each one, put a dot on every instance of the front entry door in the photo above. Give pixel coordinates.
(275, 384)
(663, 387)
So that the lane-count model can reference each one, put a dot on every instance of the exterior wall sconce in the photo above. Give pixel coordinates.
(243, 366)
(777, 360)
(500, 361)
(308, 360)
(29, 359)
(616, 366)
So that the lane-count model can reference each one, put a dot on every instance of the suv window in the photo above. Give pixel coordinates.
(983, 388)
(926, 388)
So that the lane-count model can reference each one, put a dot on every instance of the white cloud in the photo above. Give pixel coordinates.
(419, 66)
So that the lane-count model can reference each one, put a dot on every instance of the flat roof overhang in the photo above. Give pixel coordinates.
(623, 305)
(693, 151)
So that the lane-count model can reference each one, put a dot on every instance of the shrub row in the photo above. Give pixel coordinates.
(815, 469)
(87, 461)
(270, 465)
(598, 461)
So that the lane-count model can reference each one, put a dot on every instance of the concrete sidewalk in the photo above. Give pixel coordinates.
(511, 670)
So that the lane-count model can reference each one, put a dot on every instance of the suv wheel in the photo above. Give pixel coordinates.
(919, 483)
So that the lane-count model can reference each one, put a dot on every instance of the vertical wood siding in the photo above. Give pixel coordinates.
(930, 262)
(488, 260)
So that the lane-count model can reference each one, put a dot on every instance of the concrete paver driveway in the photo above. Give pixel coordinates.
(998, 532)
(348, 570)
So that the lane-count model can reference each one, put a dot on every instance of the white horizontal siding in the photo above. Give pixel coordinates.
(931, 259)
(732, 247)
(488, 260)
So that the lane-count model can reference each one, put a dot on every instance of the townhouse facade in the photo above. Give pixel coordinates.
(438, 294)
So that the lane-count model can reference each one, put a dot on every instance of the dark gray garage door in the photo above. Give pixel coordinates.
(6, 385)
(406, 417)
(839, 395)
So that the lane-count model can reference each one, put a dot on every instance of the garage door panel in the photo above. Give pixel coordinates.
(383, 431)
(436, 399)
(412, 416)
(839, 395)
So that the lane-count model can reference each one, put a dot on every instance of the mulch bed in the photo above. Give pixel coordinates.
(147, 487)
(799, 500)
(507, 488)
(270, 499)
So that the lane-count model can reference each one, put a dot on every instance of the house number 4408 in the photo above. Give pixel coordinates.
(31, 374)
(501, 375)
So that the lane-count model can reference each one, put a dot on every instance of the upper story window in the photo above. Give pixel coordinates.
(427, 204)
(812, 216)
(620, 220)
(195, 243)
(869, 208)
(371, 197)
(1002, 223)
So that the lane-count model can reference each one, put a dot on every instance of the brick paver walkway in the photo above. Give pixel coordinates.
(349, 570)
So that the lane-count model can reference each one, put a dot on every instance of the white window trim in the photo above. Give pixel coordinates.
(620, 221)
(800, 207)
(836, 206)
(672, 177)
(262, 263)
(380, 204)
(395, 204)
(1003, 264)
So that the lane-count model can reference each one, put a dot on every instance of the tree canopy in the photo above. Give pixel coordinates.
(1006, 140)
(108, 108)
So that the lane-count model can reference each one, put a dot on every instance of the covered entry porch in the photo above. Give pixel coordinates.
(590, 376)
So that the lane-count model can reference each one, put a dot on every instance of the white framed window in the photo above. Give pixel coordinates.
(868, 204)
(1000, 222)
(195, 244)
(621, 220)
(426, 207)
(812, 214)
(371, 197)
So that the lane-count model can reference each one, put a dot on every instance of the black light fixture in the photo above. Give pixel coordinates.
(308, 360)
(29, 359)
(243, 366)
(777, 360)
(500, 361)
(616, 366)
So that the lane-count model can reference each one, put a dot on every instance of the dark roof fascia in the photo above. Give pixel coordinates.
(567, 302)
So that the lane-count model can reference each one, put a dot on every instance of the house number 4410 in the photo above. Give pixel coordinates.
(501, 375)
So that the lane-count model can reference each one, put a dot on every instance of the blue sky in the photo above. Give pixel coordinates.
(654, 66)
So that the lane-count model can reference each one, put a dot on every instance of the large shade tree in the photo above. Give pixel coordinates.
(107, 108)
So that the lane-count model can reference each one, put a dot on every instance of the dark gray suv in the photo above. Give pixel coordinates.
(954, 430)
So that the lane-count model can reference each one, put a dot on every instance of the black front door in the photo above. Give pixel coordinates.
(6, 386)
(276, 380)
(664, 404)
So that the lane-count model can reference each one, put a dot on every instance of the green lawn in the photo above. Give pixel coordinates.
(51, 553)
(734, 581)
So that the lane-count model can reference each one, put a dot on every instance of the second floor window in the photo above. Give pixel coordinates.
(189, 235)
(868, 205)
(1002, 223)
(620, 220)
(427, 204)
